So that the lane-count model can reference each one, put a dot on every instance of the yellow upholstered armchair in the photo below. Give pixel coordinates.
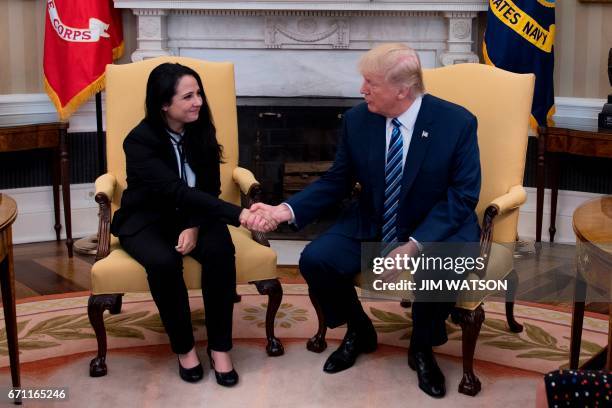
(115, 272)
(502, 103)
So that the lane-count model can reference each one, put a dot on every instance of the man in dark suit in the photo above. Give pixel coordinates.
(417, 161)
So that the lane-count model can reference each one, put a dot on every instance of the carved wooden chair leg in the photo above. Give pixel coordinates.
(274, 290)
(470, 322)
(95, 310)
(512, 280)
(116, 308)
(317, 343)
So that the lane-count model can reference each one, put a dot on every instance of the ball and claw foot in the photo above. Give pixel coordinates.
(97, 367)
(469, 385)
(316, 344)
(274, 347)
(515, 327)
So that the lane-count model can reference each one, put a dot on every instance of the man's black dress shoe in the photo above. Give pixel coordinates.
(227, 379)
(353, 344)
(193, 374)
(431, 379)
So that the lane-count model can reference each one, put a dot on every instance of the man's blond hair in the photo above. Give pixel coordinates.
(398, 63)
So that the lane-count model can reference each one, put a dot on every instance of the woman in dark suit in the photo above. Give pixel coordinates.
(171, 208)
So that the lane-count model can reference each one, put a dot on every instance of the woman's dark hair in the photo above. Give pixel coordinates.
(200, 135)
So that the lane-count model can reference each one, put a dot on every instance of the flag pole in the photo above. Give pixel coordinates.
(88, 245)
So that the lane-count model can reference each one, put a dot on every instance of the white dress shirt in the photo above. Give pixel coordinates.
(407, 119)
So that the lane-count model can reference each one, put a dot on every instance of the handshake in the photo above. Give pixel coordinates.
(264, 218)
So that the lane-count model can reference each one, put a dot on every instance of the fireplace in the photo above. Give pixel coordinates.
(277, 135)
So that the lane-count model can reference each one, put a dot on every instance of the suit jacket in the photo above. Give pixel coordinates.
(440, 182)
(155, 190)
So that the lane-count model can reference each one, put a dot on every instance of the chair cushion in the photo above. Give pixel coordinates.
(499, 266)
(119, 272)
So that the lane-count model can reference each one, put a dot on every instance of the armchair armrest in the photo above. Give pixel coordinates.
(514, 198)
(105, 189)
(105, 184)
(250, 187)
(245, 180)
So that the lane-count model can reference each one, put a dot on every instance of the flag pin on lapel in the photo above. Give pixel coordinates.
(425, 134)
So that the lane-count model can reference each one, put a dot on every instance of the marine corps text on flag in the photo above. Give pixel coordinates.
(80, 39)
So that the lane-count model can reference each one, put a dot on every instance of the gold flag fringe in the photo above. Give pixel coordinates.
(73, 104)
(64, 112)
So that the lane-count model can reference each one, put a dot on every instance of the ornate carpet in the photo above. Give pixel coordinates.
(56, 326)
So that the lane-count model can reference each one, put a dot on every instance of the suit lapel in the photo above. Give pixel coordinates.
(377, 145)
(421, 136)
(169, 155)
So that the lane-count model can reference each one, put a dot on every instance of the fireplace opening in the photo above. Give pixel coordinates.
(288, 143)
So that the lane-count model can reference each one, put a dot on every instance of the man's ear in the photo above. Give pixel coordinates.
(404, 92)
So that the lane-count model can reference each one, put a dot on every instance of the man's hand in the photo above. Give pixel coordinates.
(257, 221)
(409, 249)
(277, 214)
(187, 240)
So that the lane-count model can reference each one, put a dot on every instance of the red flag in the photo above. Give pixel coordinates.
(81, 37)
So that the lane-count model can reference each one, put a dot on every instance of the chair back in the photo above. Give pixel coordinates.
(501, 101)
(125, 108)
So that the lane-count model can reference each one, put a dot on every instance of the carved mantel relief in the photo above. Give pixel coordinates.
(253, 33)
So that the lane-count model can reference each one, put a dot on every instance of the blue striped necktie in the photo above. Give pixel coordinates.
(393, 176)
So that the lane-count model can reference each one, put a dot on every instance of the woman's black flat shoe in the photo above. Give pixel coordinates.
(191, 375)
(228, 379)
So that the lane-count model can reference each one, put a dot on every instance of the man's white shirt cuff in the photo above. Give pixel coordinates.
(418, 244)
(292, 220)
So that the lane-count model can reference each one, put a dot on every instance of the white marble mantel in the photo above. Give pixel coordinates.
(303, 48)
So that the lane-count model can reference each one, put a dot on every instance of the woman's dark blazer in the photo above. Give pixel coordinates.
(155, 191)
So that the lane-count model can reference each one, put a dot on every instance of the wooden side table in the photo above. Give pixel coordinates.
(46, 136)
(592, 223)
(579, 140)
(8, 214)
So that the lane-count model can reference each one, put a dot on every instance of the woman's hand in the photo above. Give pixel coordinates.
(187, 240)
(257, 221)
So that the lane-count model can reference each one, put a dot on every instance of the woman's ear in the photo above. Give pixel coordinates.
(165, 107)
